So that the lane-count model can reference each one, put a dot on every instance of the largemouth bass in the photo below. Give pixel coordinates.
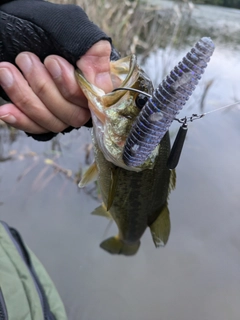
(132, 145)
(134, 197)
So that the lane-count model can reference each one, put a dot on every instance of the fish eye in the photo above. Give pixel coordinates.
(141, 100)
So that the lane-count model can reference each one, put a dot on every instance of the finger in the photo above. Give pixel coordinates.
(95, 65)
(10, 114)
(62, 73)
(23, 97)
(44, 87)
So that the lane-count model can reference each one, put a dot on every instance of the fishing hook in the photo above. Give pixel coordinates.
(134, 90)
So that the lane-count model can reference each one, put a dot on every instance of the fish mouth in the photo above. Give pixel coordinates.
(122, 73)
(114, 113)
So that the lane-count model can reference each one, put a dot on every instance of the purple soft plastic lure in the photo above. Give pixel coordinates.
(166, 102)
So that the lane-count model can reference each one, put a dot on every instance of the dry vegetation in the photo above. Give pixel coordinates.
(136, 26)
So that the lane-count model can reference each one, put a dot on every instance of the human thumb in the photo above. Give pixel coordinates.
(95, 65)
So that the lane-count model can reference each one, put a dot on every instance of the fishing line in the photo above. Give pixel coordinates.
(228, 106)
(195, 116)
(177, 147)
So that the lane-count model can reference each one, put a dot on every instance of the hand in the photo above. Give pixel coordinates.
(46, 97)
(45, 100)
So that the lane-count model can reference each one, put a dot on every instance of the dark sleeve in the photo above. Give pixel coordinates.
(45, 28)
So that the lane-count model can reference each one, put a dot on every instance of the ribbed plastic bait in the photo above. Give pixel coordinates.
(166, 102)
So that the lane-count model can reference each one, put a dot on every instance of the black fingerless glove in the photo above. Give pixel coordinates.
(45, 28)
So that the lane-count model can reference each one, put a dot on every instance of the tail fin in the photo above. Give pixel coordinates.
(114, 245)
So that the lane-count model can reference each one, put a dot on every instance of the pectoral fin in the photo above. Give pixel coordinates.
(113, 187)
(102, 211)
(89, 176)
(160, 228)
(114, 245)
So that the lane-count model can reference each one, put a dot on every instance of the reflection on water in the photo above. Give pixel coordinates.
(196, 276)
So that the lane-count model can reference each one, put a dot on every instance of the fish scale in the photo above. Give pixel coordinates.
(140, 195)
(166, 102)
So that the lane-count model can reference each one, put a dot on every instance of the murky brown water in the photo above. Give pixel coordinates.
(197, 275)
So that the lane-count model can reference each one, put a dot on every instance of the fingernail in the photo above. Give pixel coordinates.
(9, 118)
(6, 78)
(24, 62)
(54, 68)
